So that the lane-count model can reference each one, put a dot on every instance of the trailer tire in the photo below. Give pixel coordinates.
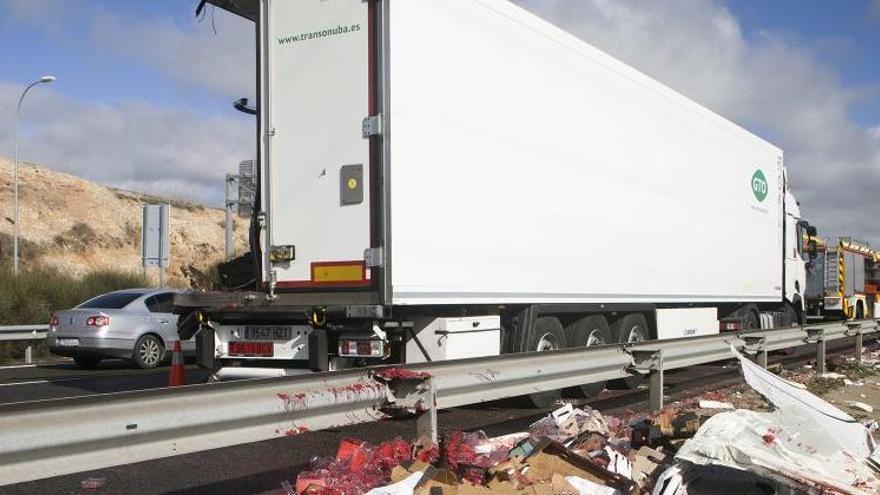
(587, 332)
(546, 335)
(631, 328)
(750, 321)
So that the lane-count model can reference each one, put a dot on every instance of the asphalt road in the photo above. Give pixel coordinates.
(261, 467)
(53, 381)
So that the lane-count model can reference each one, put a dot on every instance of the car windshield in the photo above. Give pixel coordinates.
(114, 300)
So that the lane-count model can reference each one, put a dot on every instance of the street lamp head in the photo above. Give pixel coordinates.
(48, 79)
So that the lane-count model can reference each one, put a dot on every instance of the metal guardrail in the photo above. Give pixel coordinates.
(18, 333)
(56, 437)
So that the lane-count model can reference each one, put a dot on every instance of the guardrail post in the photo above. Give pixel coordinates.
(855, 328)
(652, 362)
(426, 423)
(758, 347)
(28, 353)
(817, 336)
(416, 393)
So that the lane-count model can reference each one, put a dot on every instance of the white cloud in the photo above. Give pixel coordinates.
(771, 83)
(215, 54)
(134, 145)
(47, 14)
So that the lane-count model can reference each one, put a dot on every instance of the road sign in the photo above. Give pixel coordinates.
(155, 245)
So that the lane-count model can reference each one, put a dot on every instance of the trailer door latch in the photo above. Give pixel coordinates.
(372, 126)
(374, 257)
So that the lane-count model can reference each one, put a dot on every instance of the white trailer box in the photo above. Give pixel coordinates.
(512, 163)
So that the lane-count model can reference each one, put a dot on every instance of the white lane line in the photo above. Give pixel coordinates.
(50, 365)
(75, 378)
(35, 382)
(40, 382)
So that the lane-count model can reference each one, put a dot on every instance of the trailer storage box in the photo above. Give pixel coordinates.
(505, 162)
(438, 339)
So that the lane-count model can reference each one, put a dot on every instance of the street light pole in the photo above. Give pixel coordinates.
(44, 79)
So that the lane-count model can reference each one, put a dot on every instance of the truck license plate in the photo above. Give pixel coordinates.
(257, 349)
(268, 332)
(68, 342)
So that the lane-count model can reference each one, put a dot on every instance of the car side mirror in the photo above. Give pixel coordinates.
(811, 231)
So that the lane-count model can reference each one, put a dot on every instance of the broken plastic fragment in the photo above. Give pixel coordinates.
(92, 483)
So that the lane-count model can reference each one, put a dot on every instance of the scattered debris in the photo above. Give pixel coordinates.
(833, 376)
(804, 444)
(714, 404)
(771, 436)
(92, 483)
(859, 405)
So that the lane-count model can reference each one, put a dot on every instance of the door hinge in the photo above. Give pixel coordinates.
(374, 257)
(372, 126)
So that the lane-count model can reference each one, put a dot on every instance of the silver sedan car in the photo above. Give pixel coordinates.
(133, 324)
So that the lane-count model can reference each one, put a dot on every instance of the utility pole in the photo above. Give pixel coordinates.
(232, 181)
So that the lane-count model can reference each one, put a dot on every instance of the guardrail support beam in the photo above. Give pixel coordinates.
(426, 425)
(417, 394)
(855, 328)
(758, 347)
(28, 353)
(817, 336)
(652, 362)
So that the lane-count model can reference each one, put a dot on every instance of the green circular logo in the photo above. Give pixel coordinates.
(759, 185)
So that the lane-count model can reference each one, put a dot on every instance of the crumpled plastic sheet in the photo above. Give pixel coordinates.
(474, 449)
(805, 442)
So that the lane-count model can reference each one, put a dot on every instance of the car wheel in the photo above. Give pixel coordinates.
(87, 362)
(588, 332)
(630, 329)
(546, 335)
(148, 352)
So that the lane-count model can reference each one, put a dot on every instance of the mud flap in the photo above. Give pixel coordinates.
(319, 359)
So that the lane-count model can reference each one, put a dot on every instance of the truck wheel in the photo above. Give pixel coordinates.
(627, 330)
(546, 335)
(587, 332)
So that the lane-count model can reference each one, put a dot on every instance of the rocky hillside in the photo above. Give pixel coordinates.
(78, 226)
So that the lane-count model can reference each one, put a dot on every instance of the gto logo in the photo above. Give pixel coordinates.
(759, 185)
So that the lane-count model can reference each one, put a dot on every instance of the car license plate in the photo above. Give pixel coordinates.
(68, 342)
(257, 349)
(268, 332)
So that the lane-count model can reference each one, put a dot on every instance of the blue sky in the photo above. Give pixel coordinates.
(145, 89)
(844, 34)
(92, 72)
(841, 33)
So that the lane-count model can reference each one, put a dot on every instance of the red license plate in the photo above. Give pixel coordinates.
(260, 349)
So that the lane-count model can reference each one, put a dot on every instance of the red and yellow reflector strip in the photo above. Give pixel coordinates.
(334, 272)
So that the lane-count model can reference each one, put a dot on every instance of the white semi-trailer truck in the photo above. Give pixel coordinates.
(462, 178)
